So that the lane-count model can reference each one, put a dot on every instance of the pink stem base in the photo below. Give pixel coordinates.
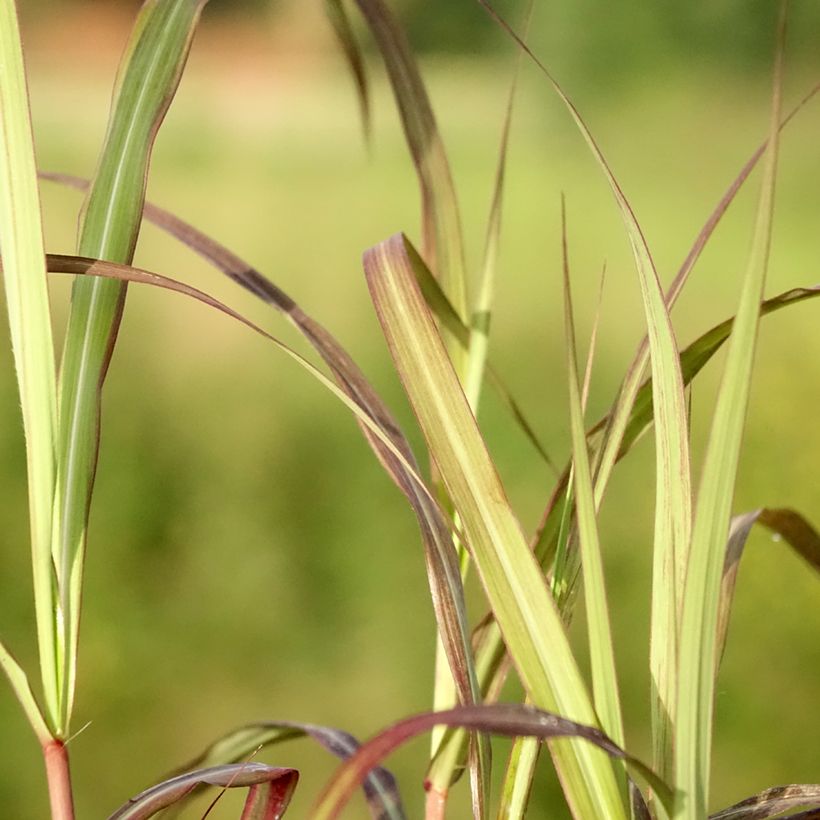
(59, 780)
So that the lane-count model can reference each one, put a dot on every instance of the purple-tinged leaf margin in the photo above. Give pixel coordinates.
(511, 720)
(774, 802)
(272, 802)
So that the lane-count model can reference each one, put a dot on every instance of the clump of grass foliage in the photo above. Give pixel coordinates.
(438, 336)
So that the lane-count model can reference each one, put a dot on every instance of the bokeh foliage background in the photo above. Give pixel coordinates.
(247, 557)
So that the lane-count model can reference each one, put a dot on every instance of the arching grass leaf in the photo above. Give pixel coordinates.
(380, 787)
(787, 525)
(442, 567)
(269, 803)
(774, 802)
(337, 15)
(512, 720)
(673, 496)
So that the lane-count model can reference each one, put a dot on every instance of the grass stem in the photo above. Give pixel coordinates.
(59, 780)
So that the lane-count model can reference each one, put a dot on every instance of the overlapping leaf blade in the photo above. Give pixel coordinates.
(441, 223)
(21, 241)
(789, 526)
(512, 579)
(512, 720)
(379, 786)
(604, 679)
(390, 446)
(774, 802)
(149, 75)
(274, 801)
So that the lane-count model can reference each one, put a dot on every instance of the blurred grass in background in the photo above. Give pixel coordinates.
(247, 557)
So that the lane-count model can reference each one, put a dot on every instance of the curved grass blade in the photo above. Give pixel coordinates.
(253, 281)
(380, 787)
(21, 240)
(616, 422)
(432, 522)
(673, 505)
(513, 582)
(511, 720)
(773, 802)
(441, 224)
(620, 417)
(442, 568)
(280, 782)
(694, 358)
(150, 73)
(701, 602)
(787, 524)
(340, 22)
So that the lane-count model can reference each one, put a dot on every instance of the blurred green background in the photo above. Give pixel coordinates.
(247, 557)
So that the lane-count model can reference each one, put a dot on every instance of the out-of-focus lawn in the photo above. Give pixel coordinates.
(247, 557)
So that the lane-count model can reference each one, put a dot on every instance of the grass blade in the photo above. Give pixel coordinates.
(380, 787)
(441, 224)
(442, 567)
(515, 792)
(340, 22)
(604, 678)
(698, 640)
(621, 414)
(772, 803)
(512, 720)
(482, 310)
(244, 775)
(21, 238)
(148, 78)
(512, 580)
(22, 690)
(787, 524)
(673, 514)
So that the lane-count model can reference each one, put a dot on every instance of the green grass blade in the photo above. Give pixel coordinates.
(148, 78)
(442, 568)
(482, 309)
(601, 648)
(698, 640)
(693, 359)
(22, 690)
(24, 276)
(514, 584)
(517, 785)
(673, 514)
(617, 432)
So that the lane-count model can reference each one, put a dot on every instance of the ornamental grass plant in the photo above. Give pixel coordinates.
(513, 607)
